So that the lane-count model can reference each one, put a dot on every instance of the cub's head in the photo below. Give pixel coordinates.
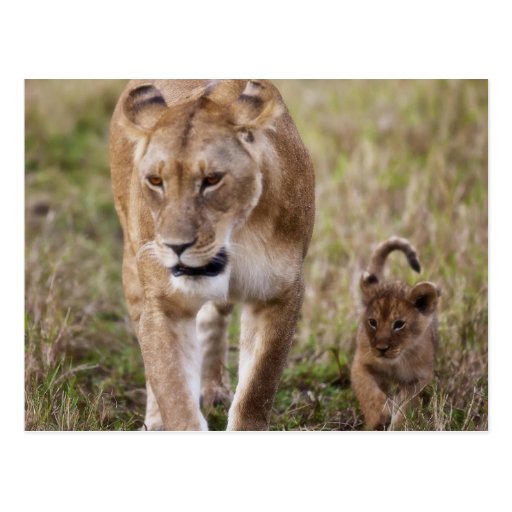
(396, 315)
(199, 168)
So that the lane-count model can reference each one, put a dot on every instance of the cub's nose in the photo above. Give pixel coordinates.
(382, 349)
(180, 248)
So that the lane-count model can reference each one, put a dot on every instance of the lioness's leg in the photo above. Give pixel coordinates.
(172, 360)
(267, 331)
(132, 289)
(134, 301)
(212, 322)
(373, 401)
(153, 419)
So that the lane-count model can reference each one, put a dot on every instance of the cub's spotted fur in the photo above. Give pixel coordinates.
(396, 340)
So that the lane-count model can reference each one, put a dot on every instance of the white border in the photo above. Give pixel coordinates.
(304, 471)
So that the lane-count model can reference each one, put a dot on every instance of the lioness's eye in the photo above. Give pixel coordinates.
(211, 179)
(372, 323)
(156, 181)
(398, 324)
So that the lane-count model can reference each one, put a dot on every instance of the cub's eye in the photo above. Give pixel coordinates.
(156, 181)
(211, 179)
(372, 323)
(398, 324)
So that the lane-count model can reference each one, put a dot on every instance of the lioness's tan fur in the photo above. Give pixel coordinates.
(180, 133)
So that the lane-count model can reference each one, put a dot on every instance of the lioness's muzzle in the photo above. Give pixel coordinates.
(214, 267)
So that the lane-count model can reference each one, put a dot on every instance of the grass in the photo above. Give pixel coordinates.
(404, 158)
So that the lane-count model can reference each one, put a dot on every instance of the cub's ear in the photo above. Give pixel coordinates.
(424, 297)
(143, 107)
(367, 284)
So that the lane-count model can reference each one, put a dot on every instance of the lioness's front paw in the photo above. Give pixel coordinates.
(153, 420)
(152, 426)
(214, 394)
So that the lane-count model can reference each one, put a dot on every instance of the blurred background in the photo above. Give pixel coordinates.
(406, 158)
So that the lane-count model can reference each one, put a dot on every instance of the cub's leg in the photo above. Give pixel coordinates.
(402, 401)
(134, 300)
(266, 336)
(407, 399)
(212, 322)
(373, 401)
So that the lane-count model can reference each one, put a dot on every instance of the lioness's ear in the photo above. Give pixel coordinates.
(144, 106)
(367, 284)
(257, 107)
(424, 297)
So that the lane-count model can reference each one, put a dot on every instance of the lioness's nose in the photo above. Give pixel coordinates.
(180, 248)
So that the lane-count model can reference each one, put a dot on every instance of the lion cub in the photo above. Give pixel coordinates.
(396, 340)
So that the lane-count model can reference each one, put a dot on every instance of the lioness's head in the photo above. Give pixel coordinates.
(199, 167)
(396, 315)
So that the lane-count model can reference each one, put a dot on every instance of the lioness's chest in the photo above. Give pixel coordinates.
(260, 270)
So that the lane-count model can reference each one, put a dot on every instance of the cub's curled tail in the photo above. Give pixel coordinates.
(382, 251)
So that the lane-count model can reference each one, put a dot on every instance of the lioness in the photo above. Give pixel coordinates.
(215, 194)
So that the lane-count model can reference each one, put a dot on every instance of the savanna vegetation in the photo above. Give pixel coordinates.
(405, 158)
